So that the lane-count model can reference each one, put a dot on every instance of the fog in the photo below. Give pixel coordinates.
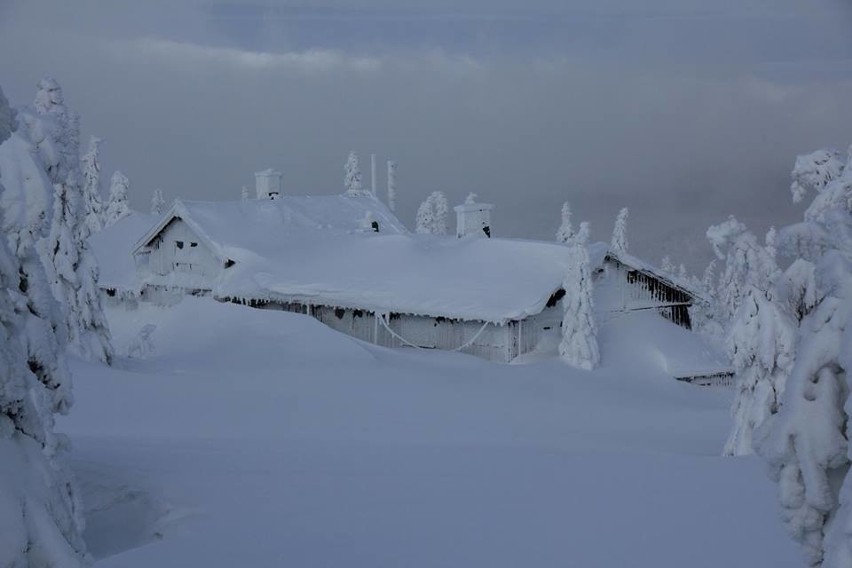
(685, 112)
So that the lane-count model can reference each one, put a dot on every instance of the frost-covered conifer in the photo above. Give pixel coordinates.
(42, 524)
(71, 269)
(814, 171)
(244, 193)
(565, 232)
(117, 207)
(806, 441)
(761, 343)
(745, 259)
(92, 199)
(392, 185)
(579, 345)
(441, 208)
(619, 233)
(432, 215)
(667, 266)
(158, 203)
(352, 180)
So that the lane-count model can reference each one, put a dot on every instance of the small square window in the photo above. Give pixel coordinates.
(179, 244)
(193, 245)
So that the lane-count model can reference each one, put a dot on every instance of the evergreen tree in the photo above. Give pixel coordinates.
(432, 215)
(71, 268)
(579, 345)
(619, 233)
(806, 441)
(352, 180)
(158, 204)
(117, 207)
(244, 193)
(565, 232)
(92, 200)
(34, 381)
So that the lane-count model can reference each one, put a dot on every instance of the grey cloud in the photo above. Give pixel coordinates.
(681, 141)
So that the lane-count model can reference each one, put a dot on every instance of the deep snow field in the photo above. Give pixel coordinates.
(261, 438)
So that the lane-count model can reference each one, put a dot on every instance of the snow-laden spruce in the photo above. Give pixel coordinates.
(667, 266)
(812, 172)
(761, 343)
(579, 344)
(39, 509)
(391, 185)
(158, 203)
(805, 442)
(71, 269)
(117, 207)
(244, 193)
(618, 245)
(432, 215)
(92, 200)
(565, 232)
(352, 177)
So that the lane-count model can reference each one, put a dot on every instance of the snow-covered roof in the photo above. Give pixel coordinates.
(320, 251)
(232, 227)
(480, 279)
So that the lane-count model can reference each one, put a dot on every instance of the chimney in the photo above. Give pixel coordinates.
(473, 219)
(268, 184)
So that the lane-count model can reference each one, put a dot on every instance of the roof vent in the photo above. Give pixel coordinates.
(268, 184)
(473, 219)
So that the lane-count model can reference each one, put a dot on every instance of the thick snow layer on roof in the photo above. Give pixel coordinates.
(230, 228)
(484, 279)
(112, 248)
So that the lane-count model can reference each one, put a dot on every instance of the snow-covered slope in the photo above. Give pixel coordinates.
(261, 438)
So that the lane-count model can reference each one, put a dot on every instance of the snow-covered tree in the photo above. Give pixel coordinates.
(761, 343)
(391, 185)
(619, 233)
(667, 266)
(158, 203)
(42, 523)
(244, 193)
(117, 207)
(745, 260)
(92, 200)
(71, 269)
(565, 232)
(579, 345)
(814, 171)
(352, 179)
(432, 215)
(806, 442)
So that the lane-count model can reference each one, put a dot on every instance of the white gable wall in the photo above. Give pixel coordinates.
(178, 250)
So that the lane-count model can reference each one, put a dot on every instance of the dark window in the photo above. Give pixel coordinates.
(193, 245)
(338, 312)
(487, 231)
(229, 263)
(179, 244)
(558, 295)
(375, 226)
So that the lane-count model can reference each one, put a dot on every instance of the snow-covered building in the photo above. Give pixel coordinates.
(349, 262)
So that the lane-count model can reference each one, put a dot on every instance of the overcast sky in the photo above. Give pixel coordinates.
(683, 110)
